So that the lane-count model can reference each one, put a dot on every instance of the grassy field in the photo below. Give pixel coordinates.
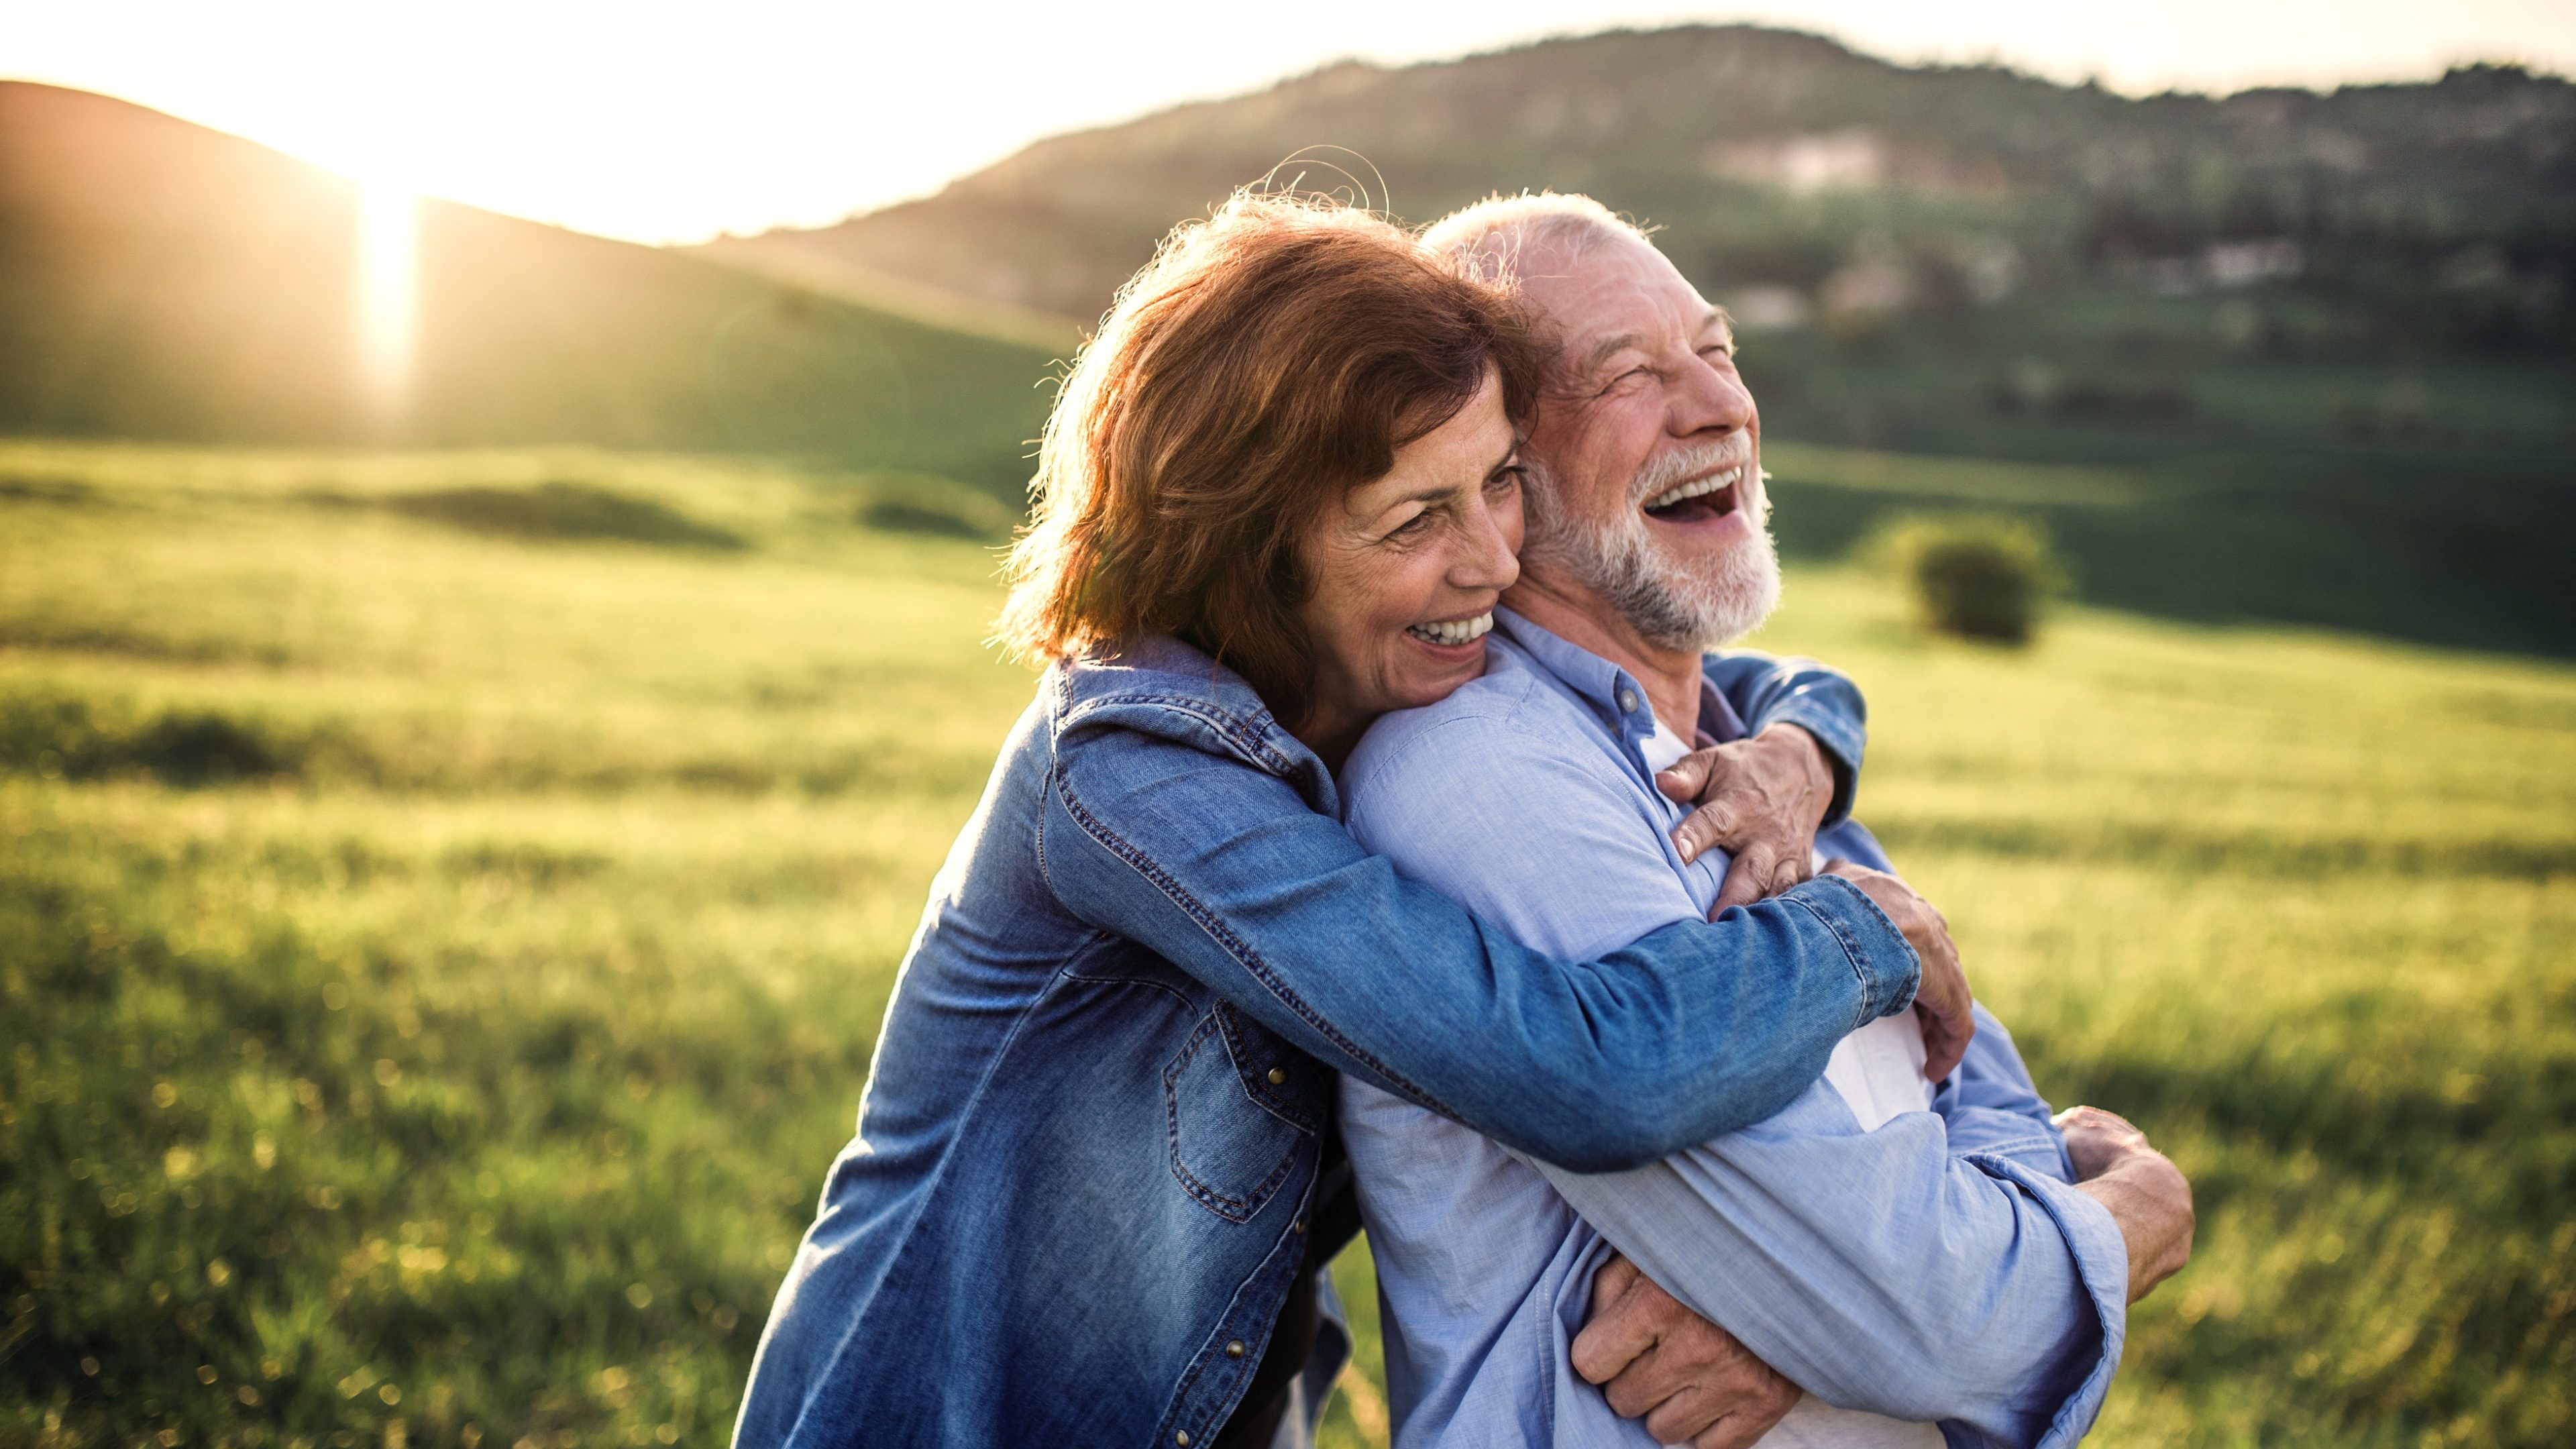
(446, 904)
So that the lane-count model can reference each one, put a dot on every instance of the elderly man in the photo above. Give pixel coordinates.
(1906, 1254)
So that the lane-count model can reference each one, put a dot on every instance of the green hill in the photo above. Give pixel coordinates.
(161, 280)
(2327, 343)
(1776, 159)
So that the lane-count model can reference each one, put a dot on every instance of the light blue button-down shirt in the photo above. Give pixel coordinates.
(1936, 1269)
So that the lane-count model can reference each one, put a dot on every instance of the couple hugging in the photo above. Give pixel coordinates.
(1383, 847)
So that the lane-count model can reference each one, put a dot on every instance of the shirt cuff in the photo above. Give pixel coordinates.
(2102, 1263)
(1880, 956)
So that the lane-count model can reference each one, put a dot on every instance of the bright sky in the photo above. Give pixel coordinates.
(663, 122)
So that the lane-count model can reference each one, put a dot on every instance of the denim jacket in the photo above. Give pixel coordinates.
(1092, 1146)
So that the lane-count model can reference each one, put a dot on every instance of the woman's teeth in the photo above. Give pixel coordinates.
(1463, 631)
(1713, 483)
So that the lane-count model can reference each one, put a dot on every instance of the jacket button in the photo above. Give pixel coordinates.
(1182, 1438)
(1234, 1349)
(1278, 1076)
(1298, 1226)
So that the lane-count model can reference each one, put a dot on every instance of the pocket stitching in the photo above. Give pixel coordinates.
(1232, 1209)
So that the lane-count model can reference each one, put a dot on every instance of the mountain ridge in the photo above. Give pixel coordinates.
(2076, 176)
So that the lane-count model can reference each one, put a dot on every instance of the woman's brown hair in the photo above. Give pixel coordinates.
(1268, 360)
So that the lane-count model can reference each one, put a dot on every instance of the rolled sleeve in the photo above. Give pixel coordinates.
(2101, 1258)
(1993, 1107)
(1881, 1273)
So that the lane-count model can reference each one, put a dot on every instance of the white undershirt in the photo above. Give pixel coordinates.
(1877, 1069)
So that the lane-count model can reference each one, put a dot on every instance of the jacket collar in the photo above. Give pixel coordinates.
(1158, 686)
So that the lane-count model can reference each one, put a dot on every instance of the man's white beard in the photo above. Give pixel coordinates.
(1676, 603)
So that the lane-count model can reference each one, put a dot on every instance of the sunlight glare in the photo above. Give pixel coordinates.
(388, 287)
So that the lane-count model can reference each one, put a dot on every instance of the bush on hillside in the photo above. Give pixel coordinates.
(564, 510)
(1976, 576)
(942, 507)
(57, 737)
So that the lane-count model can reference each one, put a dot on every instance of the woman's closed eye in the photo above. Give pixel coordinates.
(1412, 528)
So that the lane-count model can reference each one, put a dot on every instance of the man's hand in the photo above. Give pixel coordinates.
(2147, 1195)
(1692, 1382)
(1760, 800)
(1941, 998)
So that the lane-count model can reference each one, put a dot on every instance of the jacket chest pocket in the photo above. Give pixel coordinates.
(1242, 1109)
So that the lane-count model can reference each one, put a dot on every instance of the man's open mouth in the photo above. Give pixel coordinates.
(1701, 498)
(1454, 631)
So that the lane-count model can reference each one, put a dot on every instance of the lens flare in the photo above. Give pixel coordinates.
(388, 296)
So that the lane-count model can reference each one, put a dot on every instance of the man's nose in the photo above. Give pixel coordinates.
(1711, 399)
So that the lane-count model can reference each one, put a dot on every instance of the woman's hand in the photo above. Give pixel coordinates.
(1760, 800)
(2147, 1195)
(1941, 998)
(1688, 1378)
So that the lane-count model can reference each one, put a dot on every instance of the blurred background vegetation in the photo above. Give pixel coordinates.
(453, 857)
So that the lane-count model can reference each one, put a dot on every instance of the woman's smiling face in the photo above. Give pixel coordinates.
(1406, 572)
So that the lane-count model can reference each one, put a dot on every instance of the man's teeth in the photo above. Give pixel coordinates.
(1461, 632)
(1710, 484)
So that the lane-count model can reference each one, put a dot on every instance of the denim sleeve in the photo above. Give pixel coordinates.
(1694, 1030)
(1882, 1271)
(1767, 690)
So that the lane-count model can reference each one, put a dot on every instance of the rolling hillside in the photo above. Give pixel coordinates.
(1778, 160)
(2292, 356)
(160, 280)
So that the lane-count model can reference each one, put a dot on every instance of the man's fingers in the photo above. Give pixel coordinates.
(1710, 825)
(1736, 1431)
(1793, 869)
(1687, 776)
(1748, 879)
(1751, 1412)
(1945, 1046)
(1946, 1007)
(1687, 1415)
(1621, 1327)
(1943, 1049)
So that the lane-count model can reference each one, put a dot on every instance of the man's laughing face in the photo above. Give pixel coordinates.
(1645, 456)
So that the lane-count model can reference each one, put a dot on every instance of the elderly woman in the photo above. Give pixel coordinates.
(1096, 1175)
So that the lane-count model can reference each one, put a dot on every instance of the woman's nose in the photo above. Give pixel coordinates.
(1491, 557)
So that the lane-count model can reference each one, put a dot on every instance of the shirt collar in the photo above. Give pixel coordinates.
(1610, 691)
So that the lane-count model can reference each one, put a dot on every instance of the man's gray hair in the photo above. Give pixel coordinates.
(1490, 238)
